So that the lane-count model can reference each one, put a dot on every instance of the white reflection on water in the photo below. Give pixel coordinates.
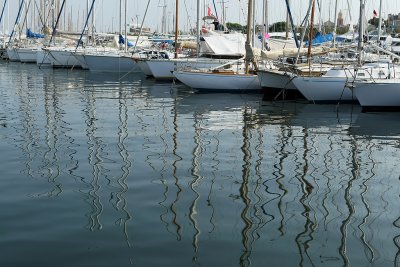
(132, 171)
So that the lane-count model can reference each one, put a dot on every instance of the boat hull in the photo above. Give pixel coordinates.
(324, 89)
(63, 59)
(275, 79)
(12, 54)
(142, 64)
(81, 59)
(43, 58)
(219, 82)
(162, 69)
(110, 63)
(27, 55)
(380, 95)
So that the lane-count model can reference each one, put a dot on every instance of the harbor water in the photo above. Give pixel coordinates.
(111, 170)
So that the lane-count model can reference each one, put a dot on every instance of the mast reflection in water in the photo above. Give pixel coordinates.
(103, 171)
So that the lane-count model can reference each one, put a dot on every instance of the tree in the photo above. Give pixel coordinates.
(235, 26)
(278, 27)
(374, 21)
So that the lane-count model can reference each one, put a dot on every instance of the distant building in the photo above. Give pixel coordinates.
(340, 21)
(394, 21)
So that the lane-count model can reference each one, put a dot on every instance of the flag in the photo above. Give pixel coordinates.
(209, 11)
(375, 13)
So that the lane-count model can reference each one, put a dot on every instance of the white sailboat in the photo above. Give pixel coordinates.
(116, 58)
(382, 94)
(62, 57)
(224, 78)
(111, 61)
(218, 81)
(27, 54)
(332, 85)
(216, 48)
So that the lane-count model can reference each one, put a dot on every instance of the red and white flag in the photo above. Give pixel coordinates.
(375, 13)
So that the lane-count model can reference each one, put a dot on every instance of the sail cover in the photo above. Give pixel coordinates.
(30, 34)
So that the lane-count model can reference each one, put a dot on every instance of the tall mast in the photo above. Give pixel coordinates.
(360, 32)
(380, 22)
(198, 28)
(253, 36)
(287, 21)
(248, 36)
(120, 17)
(176, 27)
(264, 22)
(126, 27)
(335, 24)
(2, 13)
(311, 33)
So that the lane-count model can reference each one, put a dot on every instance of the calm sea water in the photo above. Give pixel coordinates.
(102, 171)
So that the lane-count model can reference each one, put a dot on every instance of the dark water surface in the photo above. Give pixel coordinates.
(101, 172)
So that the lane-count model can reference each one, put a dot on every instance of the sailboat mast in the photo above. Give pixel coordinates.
(176, 27)
(311, 32)
(264, 19)
(287, 21)
(248, 35)
(380, 22)
(198, 28)
(2, 13)
(126, 27)
(335, 24)
(120, 17)
(360, 32)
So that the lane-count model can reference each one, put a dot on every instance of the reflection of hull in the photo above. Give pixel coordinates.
(163, 68)
(325, 116)
(200, 103)
(27, 55)
(378, 94)
(376, 125)
(110, 63)
(207, 81)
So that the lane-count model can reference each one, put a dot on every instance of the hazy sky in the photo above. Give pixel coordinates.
(107, 11)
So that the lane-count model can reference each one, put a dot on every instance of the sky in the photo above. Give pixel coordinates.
(107, 11)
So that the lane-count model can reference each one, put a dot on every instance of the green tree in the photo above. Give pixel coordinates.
(278, 27)
(235, 26)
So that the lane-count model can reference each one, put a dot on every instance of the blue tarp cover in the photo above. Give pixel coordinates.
(122, 41)
(31, 34)
(320, 38)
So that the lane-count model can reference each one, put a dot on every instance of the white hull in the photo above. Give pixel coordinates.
(12, 54)
(27, 55)
(324, 88)
(81, 59)
(63, 59)
(43, 58)
(163, 68)
(219, 82)
(382, 93)
(332, 86)
(111, 63)
(142, 64)
(275, 79)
